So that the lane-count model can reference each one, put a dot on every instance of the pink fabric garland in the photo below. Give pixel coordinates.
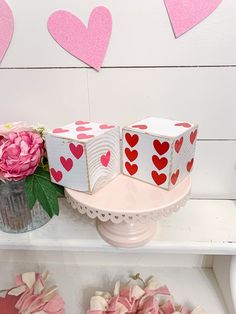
(152, 299)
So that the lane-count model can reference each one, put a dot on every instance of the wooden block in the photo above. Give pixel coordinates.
(84, 156)
(159, 151)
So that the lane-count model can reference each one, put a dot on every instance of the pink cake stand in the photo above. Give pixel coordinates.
(127, 210)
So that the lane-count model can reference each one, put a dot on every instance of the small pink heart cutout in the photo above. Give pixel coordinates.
(185, 14)
(87, 44)
(6, 27)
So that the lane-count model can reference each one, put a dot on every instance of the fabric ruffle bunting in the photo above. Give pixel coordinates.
(34, 297)
(152, 298)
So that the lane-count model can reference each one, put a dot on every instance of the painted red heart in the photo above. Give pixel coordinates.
(88, 44)
(161, 148)
(159, 179)
(178, 144)
(60, 130)
(84, 136)
(83, 128)
(7, 304)
(6, 27)
(131, 154)
(105, 159)
(193, 136)
(160, 163)
(174, 177)
(80, 122)
(183, 124)
(106, 126)
(66, 163)
(140, 126)
(57, 175)
(132, 169)
(76, 150)
(190, 165)
(132, 140)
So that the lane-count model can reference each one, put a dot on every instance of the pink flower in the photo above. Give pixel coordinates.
(20, 154)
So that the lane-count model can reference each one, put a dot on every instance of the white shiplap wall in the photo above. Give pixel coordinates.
(147, 72)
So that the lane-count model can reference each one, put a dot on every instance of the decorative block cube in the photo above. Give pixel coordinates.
(84, 156)
(159, 151)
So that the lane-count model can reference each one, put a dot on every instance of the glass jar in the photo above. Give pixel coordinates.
(15, 215)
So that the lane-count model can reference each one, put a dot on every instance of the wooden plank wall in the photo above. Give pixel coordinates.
(146, 71)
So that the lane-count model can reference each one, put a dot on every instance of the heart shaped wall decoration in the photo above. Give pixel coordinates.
(6, 27)
(89, 44)
(185, 14)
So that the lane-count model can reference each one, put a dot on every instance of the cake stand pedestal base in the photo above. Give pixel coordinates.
(127, 235)
(127, 210)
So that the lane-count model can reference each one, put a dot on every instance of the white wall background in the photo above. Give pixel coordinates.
(146, 72)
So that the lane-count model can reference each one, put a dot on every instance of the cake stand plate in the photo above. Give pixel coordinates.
(127, 210)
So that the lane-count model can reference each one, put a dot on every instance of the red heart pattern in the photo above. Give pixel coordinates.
(193, 136)
(190, 165)
(140, 126)
(178, 144)
(161, 148)
(76, 150)
(82, 128)
(106, 126)
(80, 122)
(183, 124)
(60, 130)
(66, 163)
(57, 175)
(84, 136)
(105, 159)
(132, 140)
(160, 163)
(132, 169)
(131, 154)
(159, 179)
(174, 177)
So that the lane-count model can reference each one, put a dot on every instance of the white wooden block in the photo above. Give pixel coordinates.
(159, 151)
(83, 155)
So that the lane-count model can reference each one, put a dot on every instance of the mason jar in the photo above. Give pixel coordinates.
(15, 214)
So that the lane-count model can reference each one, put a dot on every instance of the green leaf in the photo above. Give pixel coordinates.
(42, 173)
(45, 174)
(39, 187)
(46, 194)
(29, 191)
(60, 189)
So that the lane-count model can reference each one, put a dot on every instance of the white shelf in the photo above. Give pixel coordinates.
(78, 282)
(201, 227)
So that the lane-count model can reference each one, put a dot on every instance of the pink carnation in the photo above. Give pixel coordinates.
(20, 154)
